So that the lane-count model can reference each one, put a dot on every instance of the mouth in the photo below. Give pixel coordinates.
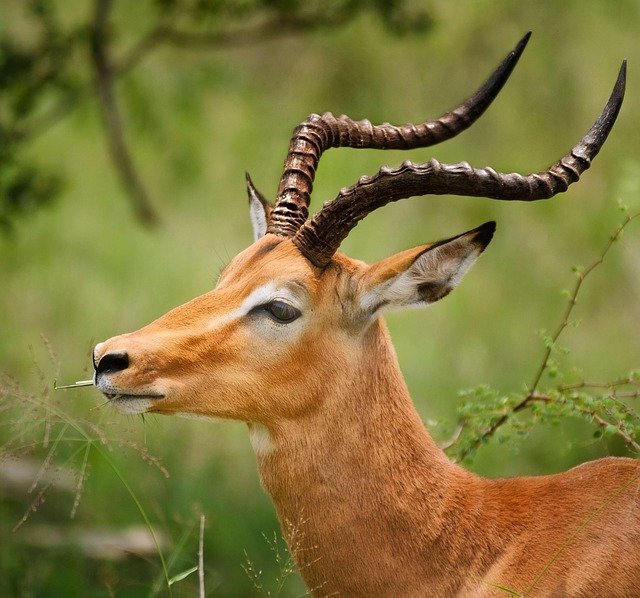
(132, 403)
(112, 396)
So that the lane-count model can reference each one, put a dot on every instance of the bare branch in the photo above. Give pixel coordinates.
(584, 384)
(113, 120)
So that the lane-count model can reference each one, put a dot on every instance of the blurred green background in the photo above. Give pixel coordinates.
(82, 268)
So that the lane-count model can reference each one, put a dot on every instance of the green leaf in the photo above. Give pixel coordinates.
(181, 576)
(610, 430)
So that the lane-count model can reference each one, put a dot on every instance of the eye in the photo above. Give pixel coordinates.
(281, 311)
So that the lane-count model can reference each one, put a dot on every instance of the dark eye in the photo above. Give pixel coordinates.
(281, 311)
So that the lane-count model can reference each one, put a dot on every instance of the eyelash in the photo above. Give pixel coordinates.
(279, 311)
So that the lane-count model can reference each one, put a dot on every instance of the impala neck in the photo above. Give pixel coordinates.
(353, 480)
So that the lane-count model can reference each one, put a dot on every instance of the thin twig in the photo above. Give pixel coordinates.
(632, 394)
(581, 276)
(451, 441)
(620, 430)
(585, 384)
(598, 419)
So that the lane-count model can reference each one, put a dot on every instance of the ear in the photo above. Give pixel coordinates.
(422, 275)
(259, 210)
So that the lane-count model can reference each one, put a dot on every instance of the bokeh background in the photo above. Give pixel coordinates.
(78, 266)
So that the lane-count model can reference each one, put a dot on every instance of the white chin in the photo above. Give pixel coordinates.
(129, 404)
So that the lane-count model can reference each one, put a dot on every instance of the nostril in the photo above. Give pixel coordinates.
(112, 362)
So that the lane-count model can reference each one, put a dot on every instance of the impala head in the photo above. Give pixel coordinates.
(246, 349)
(290, 314)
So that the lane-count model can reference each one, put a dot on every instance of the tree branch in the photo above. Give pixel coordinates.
(113, 120)
(598, 420)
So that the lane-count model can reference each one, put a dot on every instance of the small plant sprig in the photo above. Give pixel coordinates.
(487, 413)
(283, 560)
(35, 423)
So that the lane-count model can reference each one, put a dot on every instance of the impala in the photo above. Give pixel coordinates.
(292, 342)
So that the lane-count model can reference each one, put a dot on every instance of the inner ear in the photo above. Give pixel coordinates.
(259, 210)
(422, 275)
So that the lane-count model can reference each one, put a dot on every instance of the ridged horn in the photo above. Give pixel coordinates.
(319, 238)
(319, 133)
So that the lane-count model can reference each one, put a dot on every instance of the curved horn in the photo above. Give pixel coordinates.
(319, 133)
(320, 238)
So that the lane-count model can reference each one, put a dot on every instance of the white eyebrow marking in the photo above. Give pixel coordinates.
(259, 296)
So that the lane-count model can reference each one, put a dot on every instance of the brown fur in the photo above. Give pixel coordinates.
(369, 505)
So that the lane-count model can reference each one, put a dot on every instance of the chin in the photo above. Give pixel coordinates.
(133, 404)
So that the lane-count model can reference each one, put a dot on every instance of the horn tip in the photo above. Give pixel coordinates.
(525, 39)
(617, 95)
(622, 77)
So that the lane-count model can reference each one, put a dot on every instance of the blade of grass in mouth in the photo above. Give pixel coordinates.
(77, 384)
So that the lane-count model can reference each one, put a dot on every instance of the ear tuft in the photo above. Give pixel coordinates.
(259, 210)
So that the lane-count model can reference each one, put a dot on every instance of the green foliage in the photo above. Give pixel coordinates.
(35, 67)
(32, 71)
(487, 414)
(24, 187)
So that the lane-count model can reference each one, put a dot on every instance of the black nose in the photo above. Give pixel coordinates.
(112, 362)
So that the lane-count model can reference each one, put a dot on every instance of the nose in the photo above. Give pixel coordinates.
(112, 362)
